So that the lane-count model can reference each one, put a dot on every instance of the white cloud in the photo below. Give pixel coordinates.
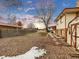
(29, 2)
(20, 9)
(26, 10)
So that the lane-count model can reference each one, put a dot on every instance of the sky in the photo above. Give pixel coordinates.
(28, 8)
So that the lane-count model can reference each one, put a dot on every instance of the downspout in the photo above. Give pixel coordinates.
(65, 30)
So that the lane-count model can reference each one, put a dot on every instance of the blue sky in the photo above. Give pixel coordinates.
(61, 4)
(30, 9)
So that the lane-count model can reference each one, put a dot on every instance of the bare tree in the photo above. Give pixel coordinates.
(44, 10)
(31, 26)
(19, 23)
(11, 19)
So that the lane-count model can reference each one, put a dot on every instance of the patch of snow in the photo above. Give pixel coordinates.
(31, 54)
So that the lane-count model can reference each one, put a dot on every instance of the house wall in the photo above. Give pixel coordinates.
(76, 23)
(76, 30)
(78, 37)
(69, 17)
(63, 33)
(61, 23)
(62, 26)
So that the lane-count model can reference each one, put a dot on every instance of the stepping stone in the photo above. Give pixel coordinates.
(57, 43)
(54, 39)
(74, 55)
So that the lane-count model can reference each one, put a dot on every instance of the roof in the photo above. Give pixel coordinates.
(9, 25)
(67, 10)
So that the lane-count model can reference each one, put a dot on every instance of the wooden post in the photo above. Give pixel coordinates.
(75, 36)
(65, 30)
(71, 35)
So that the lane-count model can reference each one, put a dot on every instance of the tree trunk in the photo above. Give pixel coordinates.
(47, 28)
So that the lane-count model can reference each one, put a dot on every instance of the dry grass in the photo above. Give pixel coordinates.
(43, 33)
(18, 45)
(21, 44)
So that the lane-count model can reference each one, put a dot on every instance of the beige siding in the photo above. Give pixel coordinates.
(63, 33)
(58, 24)
(69, 17)
(61, 23)
(75, 21)
(78, 38)
(68, 37)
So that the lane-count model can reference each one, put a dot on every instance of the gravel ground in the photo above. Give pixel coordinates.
(21, 44)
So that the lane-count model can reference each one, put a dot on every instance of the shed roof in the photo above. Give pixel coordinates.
(67, 10)
(9, 25)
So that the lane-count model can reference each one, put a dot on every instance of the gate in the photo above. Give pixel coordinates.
(74, 35)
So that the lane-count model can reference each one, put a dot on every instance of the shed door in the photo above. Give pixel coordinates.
(73, 35)
(77, 35)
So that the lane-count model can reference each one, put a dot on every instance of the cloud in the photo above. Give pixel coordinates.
(20, 9)
(26, 10)
(29, 2)
(2, 6)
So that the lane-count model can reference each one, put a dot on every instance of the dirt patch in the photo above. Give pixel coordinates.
(21, 44)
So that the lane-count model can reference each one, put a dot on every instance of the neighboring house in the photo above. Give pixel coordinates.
(9, 30)
(67, 25)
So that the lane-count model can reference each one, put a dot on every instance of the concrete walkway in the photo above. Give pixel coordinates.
(62, 48)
